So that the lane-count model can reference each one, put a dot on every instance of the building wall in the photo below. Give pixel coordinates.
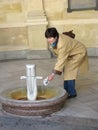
(23, 23)
(83, 23)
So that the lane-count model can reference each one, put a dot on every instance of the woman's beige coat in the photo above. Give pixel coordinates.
(72, 56)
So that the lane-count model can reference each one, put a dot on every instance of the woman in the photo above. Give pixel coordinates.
(72, 56)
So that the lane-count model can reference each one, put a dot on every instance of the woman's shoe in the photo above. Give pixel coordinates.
(71, 96)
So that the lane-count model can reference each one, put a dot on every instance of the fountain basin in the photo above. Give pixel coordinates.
(49, 100)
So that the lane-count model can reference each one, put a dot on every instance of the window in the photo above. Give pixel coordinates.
(76, 5)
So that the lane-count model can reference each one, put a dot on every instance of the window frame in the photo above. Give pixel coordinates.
(69, 9)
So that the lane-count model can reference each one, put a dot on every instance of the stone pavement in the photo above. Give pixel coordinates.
(79, 113)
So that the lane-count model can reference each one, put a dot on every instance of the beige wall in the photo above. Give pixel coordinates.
(23, 23)
(84, 23)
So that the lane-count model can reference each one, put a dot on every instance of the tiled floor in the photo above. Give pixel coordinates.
(84, 105)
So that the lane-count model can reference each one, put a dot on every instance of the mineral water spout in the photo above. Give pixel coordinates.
(31, 80)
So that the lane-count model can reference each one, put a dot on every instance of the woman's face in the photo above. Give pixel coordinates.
(51, 40)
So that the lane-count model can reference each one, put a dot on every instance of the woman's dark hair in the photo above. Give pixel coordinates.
(51, 32)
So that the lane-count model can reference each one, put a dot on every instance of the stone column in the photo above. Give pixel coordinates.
(22, 27)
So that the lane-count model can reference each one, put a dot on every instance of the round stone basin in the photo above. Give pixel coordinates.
(49, 100)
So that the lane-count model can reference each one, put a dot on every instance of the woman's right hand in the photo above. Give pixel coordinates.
(51, 76)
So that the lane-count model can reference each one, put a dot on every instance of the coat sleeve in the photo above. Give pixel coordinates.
(63, 53)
